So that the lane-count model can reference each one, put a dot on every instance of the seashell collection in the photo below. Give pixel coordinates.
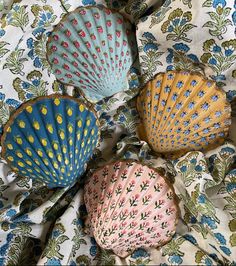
(51, 139)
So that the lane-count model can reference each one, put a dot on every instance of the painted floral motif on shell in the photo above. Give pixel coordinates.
(122, 199)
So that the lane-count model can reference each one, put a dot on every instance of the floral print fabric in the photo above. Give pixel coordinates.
(175, 36)
(45, 226)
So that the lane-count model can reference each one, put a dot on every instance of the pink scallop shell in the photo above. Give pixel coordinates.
(130, 205)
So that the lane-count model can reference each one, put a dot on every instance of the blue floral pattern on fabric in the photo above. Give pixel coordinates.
(197, 35)
(174, 27)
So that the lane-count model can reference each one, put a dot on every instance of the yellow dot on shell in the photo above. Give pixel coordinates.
(63, 170)
(49, 128)
(82, 144)
(62, 135)
(24, 172)
(44, 142)
(85, 132)
(64, 149)
(57, 102)
(88, 122)
(36, 125)
(10, 158)
(19, 154)
(29, 109)
(44, 110)
(55, 165)
(66, 161)
(37, 161)
(40, 153)
(37, 170)
(61, 177)
(81, 107)
(50, 154)
(15, 169)
(31, 139)
(59, 157)
(70, 142)
(9, 146)
(70, 128)
(59, 119)
(45, 161)
(29, 162)
(78, 136)
(19, 140)
(76, 151)
(8, 129)
(69, 111)
(28, 151)
(21, 124)
(29, 170)
(20, 164)
(79, 123)
(55, 146)
(92, 132)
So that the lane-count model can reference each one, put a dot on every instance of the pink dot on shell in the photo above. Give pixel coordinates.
(82, 12)
(54, 48)
(55, 37)
(55, 61)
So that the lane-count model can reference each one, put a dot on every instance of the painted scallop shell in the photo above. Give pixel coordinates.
(93, 48)
(130, 206)
(50, 139)
(181, 112)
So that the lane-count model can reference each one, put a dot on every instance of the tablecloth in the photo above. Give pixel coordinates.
(40, 226)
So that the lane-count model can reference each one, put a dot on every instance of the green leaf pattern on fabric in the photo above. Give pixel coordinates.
(46, 227)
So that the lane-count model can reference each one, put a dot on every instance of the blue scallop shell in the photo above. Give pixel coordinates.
(93, 48)
(51, 139)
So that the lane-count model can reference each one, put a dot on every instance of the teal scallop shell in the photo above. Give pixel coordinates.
(93, 48)
(51, 139)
